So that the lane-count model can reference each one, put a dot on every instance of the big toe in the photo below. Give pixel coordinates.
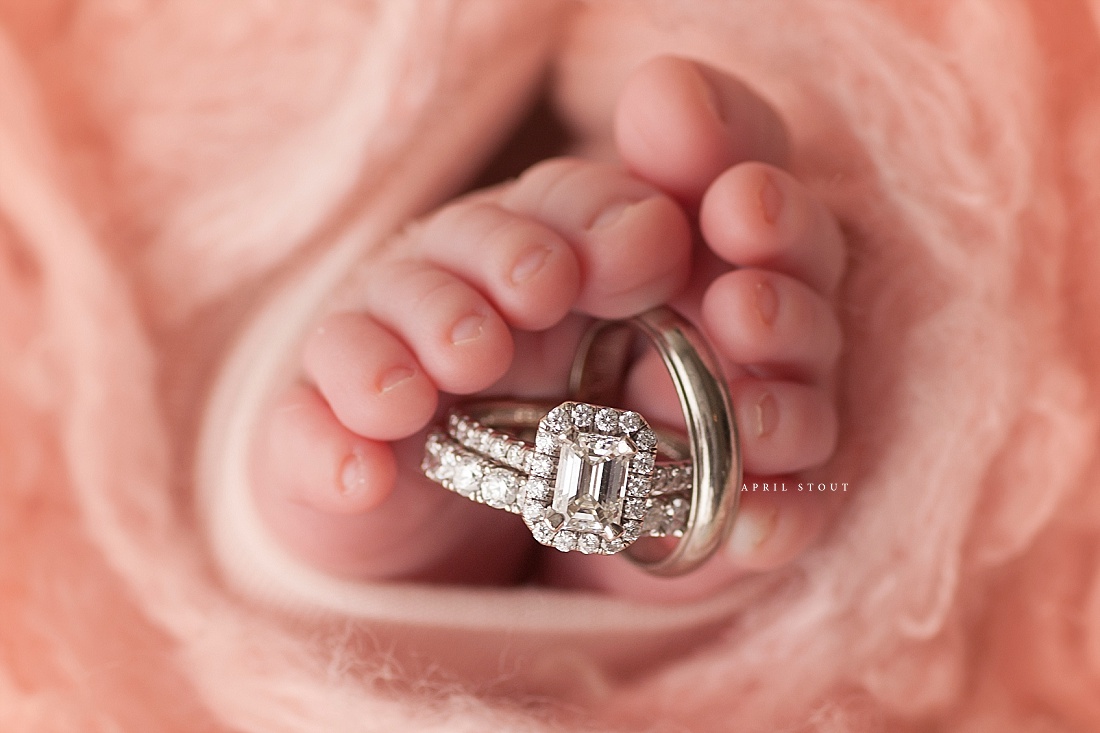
(680, 123)
(632, 241)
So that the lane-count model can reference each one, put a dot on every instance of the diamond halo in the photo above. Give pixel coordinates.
(594, 465)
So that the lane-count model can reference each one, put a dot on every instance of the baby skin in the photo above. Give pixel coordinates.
(489, 295)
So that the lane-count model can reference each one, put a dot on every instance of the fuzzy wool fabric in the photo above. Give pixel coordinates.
(182, 182)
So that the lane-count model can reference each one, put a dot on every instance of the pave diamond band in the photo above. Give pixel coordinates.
(496, 430)
(587, 482)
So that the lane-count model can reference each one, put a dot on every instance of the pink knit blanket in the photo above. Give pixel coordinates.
(181, 182)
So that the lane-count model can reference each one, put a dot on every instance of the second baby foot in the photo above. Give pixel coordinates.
(769, 259)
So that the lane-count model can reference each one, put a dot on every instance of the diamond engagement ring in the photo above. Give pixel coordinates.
(590, 481)
(592, 478)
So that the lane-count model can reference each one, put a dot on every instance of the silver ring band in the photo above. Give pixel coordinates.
(598, 375)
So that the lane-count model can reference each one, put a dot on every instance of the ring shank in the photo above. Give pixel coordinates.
(597, 375)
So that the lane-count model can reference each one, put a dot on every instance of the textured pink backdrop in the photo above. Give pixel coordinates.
(179, 180)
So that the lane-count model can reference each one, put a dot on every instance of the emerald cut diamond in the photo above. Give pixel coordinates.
(592, 479)
(595, 491)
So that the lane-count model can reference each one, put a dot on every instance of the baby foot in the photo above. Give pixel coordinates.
(453, 305)
(761, 291)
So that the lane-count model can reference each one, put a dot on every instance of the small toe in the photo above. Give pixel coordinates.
(523, 267)
(772, 322)
(329, 497)
(311, 476)
(372, 382)
(784, 426)
(776, 525)
(457, 336)
(755, 215)
(633, 243)
(307, 456)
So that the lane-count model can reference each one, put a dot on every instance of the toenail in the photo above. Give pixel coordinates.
(750, 531)
(767, 302)
(767, 415)
(353, 474)
(610, 215)
(710, 96)
(771, 199)
(468, 329)
(532, 259)
(394, 377)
